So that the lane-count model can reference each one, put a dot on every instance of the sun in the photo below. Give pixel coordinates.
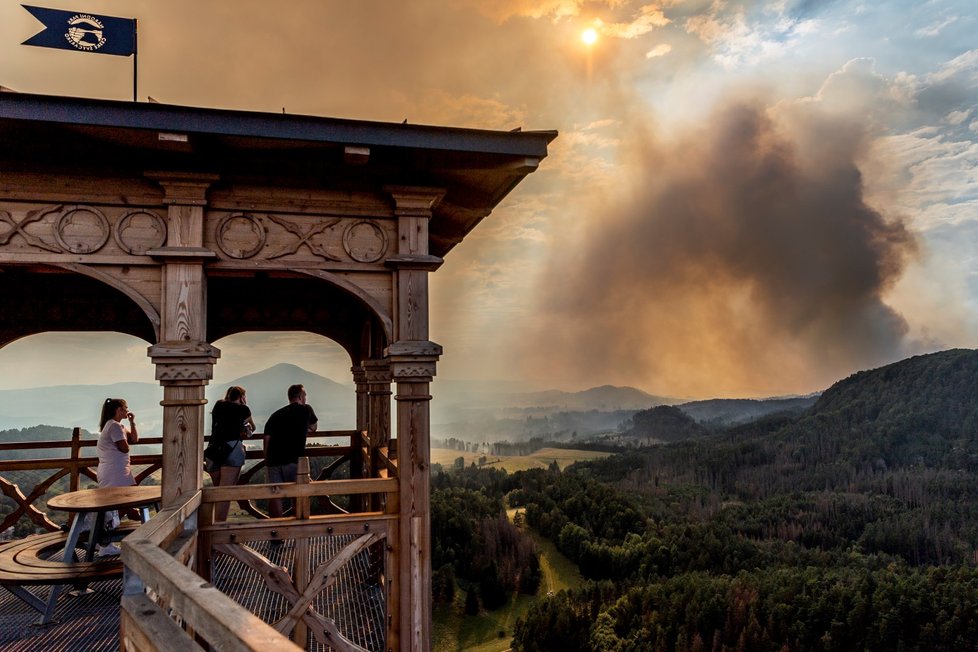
(589, 36)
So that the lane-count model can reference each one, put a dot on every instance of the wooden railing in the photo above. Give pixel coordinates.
(79, 464)
(75, 466)
(166, 605)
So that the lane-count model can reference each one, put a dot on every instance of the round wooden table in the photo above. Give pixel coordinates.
(98, 501)
(103, 499)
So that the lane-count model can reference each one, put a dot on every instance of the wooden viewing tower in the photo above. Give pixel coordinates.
(181, 226)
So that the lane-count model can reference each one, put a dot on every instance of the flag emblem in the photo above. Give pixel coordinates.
(85, 32)
(72, 30)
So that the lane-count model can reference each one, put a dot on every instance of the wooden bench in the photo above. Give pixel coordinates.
(27, 562)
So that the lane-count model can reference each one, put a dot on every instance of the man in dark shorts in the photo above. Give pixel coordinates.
(285, 441)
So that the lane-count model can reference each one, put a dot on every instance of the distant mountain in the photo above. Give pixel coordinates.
(335, 404)
(918, 416)
(905, 434)
(731, 411)
(68, 406)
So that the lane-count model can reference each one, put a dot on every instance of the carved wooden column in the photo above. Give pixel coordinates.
(378, 377)
(363, 407)
(184, 369)
(413, 366)
(184, 360)
(412, 361)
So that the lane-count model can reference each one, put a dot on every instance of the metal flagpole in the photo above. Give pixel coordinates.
(135, 57)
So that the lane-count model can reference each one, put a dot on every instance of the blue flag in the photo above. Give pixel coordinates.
(74, 30)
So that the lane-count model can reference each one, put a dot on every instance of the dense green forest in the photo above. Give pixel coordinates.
(475, 547)
(853, 526)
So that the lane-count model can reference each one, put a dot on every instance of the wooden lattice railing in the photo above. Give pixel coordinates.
(75, 466)
(167, 602)
(79, 463)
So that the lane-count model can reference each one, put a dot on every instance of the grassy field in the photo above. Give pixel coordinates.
(456, 632)
(512, 463)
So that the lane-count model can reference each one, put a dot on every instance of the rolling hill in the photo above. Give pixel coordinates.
(731, 411)
(335, 404)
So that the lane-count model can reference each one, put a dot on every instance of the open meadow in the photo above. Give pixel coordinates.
(541, 459)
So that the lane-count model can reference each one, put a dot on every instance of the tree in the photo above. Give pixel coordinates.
(471, 603)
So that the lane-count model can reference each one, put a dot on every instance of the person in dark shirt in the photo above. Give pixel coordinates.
(285, 441)
(231, 422)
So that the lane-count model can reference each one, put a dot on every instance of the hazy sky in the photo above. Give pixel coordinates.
(746, 198)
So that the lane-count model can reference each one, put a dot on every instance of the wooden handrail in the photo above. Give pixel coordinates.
(75, 466)
(292, 490)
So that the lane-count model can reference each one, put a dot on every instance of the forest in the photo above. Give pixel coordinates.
(850, 526)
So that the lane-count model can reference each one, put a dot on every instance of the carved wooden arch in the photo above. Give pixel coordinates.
(53, 298)
(384, 319)
(151, 312)
(288, 301)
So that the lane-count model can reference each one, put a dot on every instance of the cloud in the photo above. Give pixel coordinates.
(660, 50)
(502, 10)
(935, 28)
(649, 18)
(739, 38)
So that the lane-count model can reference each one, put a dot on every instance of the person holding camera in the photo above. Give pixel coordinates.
(231, 421)
(113, 456)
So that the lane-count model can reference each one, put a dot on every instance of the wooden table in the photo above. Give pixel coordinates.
(94, 501)
(99, 501)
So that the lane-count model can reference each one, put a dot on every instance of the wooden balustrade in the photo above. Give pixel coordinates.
(77, 465)
(168, 602)
(157, 555)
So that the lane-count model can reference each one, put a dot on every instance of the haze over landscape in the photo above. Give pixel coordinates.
(747, 198)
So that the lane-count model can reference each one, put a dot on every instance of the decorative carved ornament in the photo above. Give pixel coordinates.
(242, 236)
(365, 242)
(175, 372)
(303, 236)
(139, 231)
(378, 377)
(20, 228)
(416, 370)
(83, 230)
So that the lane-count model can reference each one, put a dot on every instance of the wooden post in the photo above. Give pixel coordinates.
(378, 378)
(184, 360)
(363, 407)
(73, 482)
(413, 373)
(412, 361)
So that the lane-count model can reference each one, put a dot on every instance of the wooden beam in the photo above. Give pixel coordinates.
(144, 626)
(293, 490)
(221, 621)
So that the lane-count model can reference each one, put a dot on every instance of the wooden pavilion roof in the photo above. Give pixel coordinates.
(477, 168)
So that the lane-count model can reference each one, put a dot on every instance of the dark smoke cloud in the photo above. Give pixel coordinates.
(747, 263)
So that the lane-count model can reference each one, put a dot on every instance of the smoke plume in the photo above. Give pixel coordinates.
(746, 258)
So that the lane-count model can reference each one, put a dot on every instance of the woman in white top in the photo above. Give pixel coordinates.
(113, 458)
(113, 444)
